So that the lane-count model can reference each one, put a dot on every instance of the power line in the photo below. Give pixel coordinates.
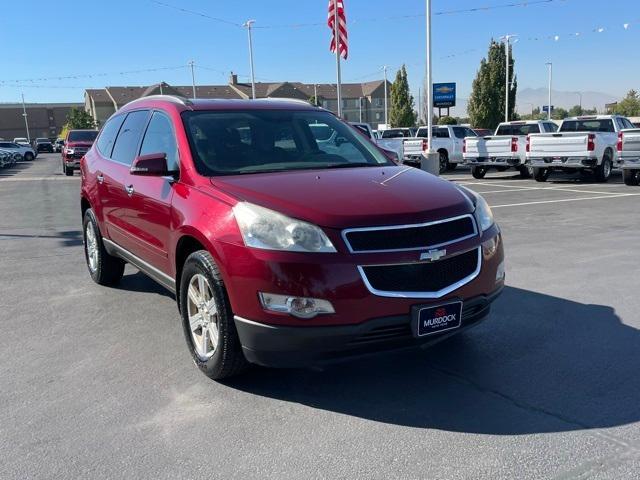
(199, 14)
(88, 75)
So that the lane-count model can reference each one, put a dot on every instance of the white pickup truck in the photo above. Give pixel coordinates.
(629, 155)
(392, 139)
(582, 144)
(447, 141)
(505, 149)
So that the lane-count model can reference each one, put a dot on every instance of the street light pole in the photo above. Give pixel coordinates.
(360, 105)
(550, 65)
(248, 25)
(386, 105)
(315, 93)
(580, 95)
(26, 123)
(429, 92)
(193, 78)
(507, 84)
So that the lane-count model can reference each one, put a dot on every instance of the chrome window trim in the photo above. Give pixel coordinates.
(430, 295)
(411, 225)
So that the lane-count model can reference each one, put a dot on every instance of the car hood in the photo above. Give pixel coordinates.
(351, 197)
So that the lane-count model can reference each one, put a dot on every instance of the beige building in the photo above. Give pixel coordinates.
(360, 101)
(44, 119)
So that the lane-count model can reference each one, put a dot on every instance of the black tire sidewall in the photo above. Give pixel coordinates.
(201, 262)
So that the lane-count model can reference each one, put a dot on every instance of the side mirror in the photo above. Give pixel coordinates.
(152, 165)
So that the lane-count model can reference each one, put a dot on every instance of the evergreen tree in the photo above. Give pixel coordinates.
(447, 121)
(401, 113)
(629, 106)
(486, 102)
(78, 118)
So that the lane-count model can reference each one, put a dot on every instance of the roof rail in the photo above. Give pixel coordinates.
(168, 98)
(283, 99)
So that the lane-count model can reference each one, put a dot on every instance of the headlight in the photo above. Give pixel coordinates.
(269, 230)
(483, 213)
(69, 151)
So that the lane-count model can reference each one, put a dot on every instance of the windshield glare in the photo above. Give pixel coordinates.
(83, 136)
(254, 141)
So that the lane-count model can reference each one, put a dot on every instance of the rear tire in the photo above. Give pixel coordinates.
(525, 171)
(541, 174)
(213, 343)
(478, 172)
(603, 171)
(103, 268)
(631, 177)
(29, 157)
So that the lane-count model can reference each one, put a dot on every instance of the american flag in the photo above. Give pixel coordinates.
(342, 27)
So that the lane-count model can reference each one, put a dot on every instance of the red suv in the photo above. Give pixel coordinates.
(77, 143)
(285, 246)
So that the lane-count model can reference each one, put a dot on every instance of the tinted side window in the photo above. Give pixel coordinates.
(159, 138)
(128, 139)
(108, 135)
(459, 132)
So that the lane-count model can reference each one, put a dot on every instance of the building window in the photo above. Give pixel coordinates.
(378, 102)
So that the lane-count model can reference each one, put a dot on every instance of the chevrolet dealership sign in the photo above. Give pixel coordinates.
(444, 95)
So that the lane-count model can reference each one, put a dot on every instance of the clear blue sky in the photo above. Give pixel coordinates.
(84, 37)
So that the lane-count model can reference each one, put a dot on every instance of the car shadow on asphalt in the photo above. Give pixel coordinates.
(67, 238)
(539, 364)
(139, 282)
(14, 170)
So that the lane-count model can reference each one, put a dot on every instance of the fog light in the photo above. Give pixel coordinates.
(500, 273)
(301, 307)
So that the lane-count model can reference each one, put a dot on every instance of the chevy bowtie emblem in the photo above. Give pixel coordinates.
(433, 255)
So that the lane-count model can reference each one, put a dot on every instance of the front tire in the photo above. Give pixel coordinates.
(478, 172)
(207, 319)
(631, 177)
(103, 268)
(68, 171)
(28, 156)
(444, 161)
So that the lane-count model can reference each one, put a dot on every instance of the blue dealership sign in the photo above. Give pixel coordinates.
(444, 95)
(545, 108)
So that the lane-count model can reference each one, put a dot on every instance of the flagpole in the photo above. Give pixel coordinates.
(337, 44)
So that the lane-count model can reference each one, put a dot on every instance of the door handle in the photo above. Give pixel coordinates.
(129, 190)
(100, 178)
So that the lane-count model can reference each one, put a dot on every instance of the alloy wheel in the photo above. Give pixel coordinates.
(91, 244)
(202, 311)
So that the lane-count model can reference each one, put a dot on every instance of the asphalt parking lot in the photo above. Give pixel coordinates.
(98, 383)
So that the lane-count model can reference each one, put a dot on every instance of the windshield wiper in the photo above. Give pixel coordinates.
(353, 165)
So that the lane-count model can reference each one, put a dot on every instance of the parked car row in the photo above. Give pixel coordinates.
(9, 158)
(24, 150)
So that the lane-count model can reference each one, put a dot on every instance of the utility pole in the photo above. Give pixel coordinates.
(580, 95)
(315, 94)
(360, 105)
(193, 78)
(507, 83)
(26, 123)
(419, 105)
(248, 25)
(386, 100)
(550, 65)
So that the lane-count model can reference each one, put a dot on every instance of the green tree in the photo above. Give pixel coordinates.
(401, 113)
(559, 113)
(629, 106)
(315, 101)
(486, 102)
(78, 119)
(575, 111)
(446, 120)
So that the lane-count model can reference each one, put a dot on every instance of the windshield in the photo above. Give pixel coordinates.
(518, 129)
(605, 125)
(82, 135)
(255, 141)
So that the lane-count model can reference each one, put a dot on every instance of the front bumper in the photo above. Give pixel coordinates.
(286, 347)
(494, 161)
(71, 162)
(563, 162)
